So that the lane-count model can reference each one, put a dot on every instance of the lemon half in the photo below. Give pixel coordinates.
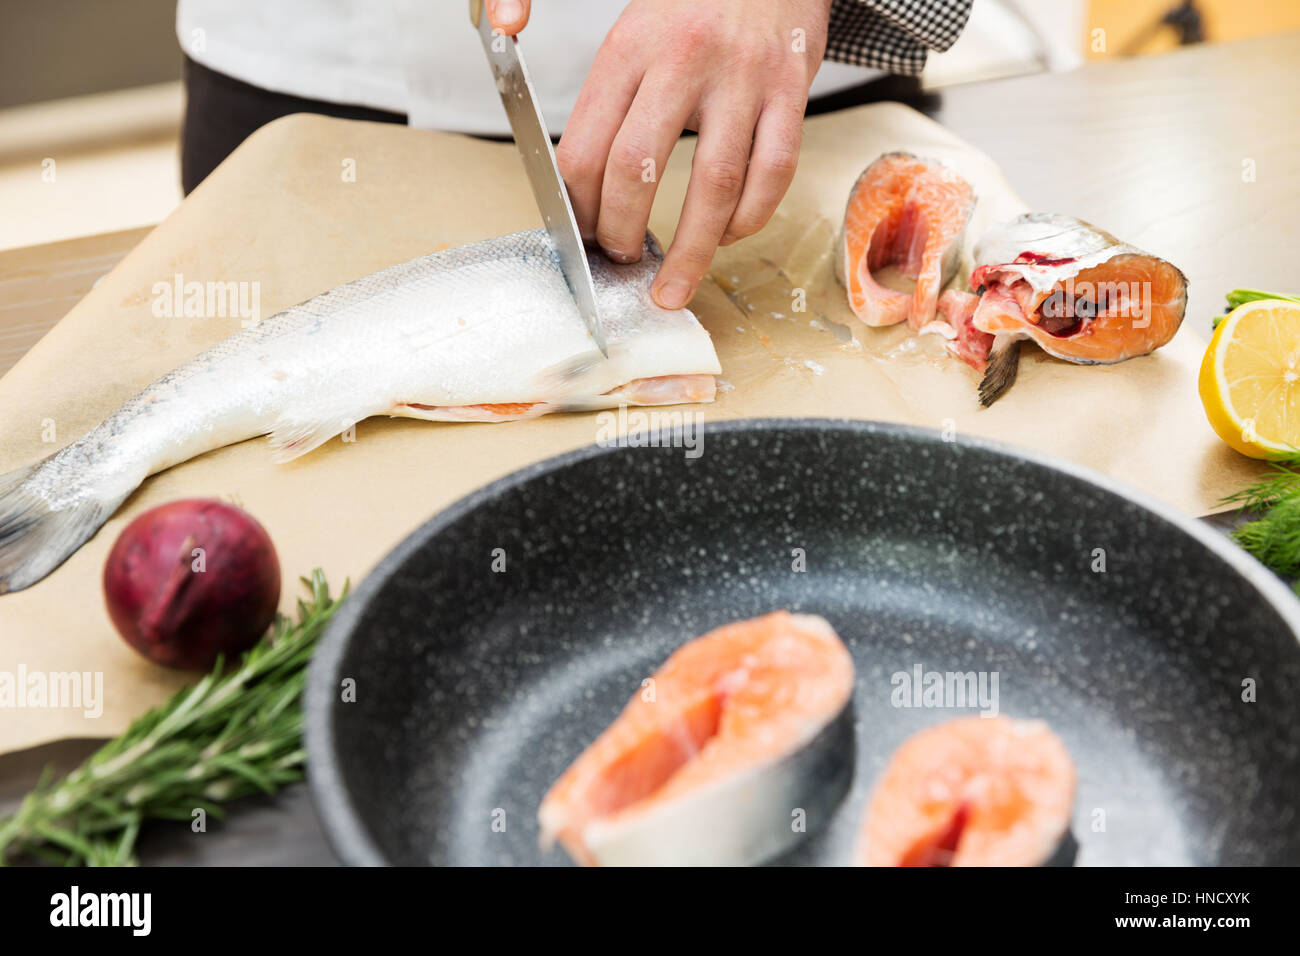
(1250, 379)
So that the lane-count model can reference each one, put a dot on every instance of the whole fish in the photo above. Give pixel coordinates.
(1079, 293)
(483, 332)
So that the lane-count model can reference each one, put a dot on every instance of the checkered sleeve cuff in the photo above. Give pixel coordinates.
(893, 35)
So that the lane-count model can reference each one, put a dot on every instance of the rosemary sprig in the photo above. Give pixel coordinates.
(234, 733)
(1274, 536)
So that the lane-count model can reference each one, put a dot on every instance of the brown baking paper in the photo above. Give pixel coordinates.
(308, 203)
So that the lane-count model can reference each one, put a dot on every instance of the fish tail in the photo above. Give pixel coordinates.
(38, 534)
(1000, 374)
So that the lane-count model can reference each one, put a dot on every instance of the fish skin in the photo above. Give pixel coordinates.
(488, 323)
(1054, 235)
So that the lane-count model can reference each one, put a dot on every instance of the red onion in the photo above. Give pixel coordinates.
(192, 579)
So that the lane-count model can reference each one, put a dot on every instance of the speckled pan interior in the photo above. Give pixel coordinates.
(475, 688)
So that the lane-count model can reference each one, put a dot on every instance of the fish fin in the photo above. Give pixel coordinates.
(35, 536)
(1000, 375)
(563, 375)
(293, 437)
(570, 375)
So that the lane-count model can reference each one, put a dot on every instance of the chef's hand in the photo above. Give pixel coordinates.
(508, 16)
(738, 71)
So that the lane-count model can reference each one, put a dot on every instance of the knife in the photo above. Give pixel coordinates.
(534, 143)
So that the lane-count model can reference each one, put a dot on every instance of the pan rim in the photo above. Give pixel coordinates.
(341, 822)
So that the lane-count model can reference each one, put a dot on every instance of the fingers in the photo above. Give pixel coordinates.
(598, 114)
(718, 177)
(771, 168)
(639, 151)
(508, 16)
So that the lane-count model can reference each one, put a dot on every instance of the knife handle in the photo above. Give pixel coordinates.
(475, 11)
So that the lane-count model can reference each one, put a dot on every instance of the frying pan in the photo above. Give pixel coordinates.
(1133, 631)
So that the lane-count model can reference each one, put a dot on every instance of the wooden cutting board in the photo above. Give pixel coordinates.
(309, 202)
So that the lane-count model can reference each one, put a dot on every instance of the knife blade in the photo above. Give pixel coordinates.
(534, 144)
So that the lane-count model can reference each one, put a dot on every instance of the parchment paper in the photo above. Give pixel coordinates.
(285, 212)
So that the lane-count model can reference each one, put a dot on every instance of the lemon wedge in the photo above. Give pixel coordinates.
(1250, 379)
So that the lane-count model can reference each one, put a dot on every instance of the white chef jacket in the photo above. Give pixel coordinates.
(418, 57)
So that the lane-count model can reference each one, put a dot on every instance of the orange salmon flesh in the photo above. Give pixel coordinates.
(661, 390)
(977, 791)
(910, 213)
(1127, 306)
(682, 775)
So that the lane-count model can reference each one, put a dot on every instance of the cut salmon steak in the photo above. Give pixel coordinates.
(910, 213)
(1077, 292)
(740, 744)
(977, 791)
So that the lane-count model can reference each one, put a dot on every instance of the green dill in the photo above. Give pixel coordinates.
(1239, 297)
(1273, 536)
